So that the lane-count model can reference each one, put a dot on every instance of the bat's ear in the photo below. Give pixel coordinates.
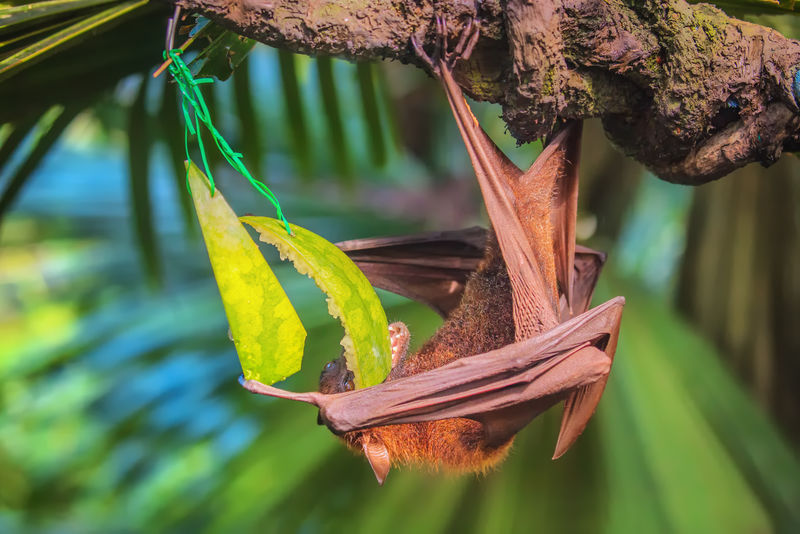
(377, 455)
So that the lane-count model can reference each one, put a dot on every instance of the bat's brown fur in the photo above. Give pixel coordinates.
(482, 322)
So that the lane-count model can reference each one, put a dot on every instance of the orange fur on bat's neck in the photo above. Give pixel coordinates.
(482, 322)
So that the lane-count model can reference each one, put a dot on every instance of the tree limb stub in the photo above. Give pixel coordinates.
(685, 89)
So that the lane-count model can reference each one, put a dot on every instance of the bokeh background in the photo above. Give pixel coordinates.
(119, 405)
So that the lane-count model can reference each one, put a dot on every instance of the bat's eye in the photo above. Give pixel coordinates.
(330, 365)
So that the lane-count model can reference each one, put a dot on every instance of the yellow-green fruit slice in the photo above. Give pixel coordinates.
(267, 332)
(350, 296)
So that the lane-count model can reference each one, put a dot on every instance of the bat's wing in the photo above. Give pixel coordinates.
(433, 267)
(534, 292)
(430, 267)
(564, 207)
(586, 270)
(522, 205)
(581, 403)
(504, 388)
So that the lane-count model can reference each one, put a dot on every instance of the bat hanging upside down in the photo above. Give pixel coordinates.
(517, 336)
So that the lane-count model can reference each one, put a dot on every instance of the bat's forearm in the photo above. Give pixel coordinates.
(474, 385)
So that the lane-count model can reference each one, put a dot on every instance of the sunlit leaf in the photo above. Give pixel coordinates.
(266, 330)
(12, 15)
(70, 35)
(350, 296)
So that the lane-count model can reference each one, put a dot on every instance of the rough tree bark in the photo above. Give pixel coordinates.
(685, 89)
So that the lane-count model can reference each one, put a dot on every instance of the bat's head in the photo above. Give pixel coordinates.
(336, 377)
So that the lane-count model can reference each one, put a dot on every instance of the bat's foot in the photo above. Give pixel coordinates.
(441, 56)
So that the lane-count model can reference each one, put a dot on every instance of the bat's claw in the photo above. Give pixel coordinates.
(424, 56)
(399, 338)
(466, 43)
(441, 56)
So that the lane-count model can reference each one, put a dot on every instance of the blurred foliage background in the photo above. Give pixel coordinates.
(120, 406)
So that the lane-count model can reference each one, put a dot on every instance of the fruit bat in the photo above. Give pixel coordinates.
(517, 337)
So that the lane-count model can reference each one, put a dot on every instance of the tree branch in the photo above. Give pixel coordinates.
(685, 89)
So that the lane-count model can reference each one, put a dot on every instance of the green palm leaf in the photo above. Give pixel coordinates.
(13, 64)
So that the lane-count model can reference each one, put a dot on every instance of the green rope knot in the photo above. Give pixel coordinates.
(195, 113)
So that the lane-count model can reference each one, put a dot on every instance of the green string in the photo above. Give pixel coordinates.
(195, 113)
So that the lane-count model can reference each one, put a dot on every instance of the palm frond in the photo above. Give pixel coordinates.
(171, 133)
(757, 7)
(295, 116)
(250, 131)
(140, 141)
(366, 84)
(15, 15)
(333, 117)
(49, 129)
(12, 64)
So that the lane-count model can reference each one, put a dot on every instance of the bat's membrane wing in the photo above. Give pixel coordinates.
(490, 382)
(535, 299)
(431, 268)
(564, 206)
(536, 211)
(555, 378)
(582, 402)
(546, 197)
(587, 266)
(503, 388)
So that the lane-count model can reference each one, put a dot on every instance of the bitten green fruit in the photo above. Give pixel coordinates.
(267, 332)
(351, 298)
